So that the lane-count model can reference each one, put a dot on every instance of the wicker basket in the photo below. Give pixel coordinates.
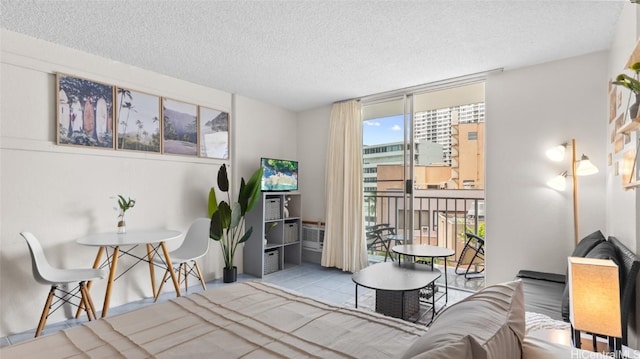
(389, 302)
(272, 209)
(271, 261)
(291, 232)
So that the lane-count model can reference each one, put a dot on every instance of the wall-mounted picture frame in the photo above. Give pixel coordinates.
(613, 107)
(179, 127)
(214, 133)
(85, 112)
(137, 121)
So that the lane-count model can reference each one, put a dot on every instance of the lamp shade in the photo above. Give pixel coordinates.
(557, 153)
(594, 296)
(585, 167)
(559, 182)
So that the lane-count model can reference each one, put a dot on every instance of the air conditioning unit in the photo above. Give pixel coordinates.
(313, 236)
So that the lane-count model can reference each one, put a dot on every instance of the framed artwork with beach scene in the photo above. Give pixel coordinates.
(137, 121)
(214, 133)
(180, 127)
(85, 112)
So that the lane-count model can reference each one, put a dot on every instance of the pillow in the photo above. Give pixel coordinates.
(604, 250)
(587, 243)
(583, 247)
(487, 324)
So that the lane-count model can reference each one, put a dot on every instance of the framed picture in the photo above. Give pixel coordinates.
(85, 112)
(214, 133)
(137, 121)
(613, 107)
(179, 127)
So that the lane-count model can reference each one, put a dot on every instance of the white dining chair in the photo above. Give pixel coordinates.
(44, 273)
(195, 245)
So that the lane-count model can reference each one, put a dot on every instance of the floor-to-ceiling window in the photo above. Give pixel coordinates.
(423, 163)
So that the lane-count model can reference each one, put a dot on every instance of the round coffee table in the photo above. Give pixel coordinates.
(427, 251)
(396, 282)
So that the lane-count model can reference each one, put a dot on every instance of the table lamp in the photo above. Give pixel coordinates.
(594, 297)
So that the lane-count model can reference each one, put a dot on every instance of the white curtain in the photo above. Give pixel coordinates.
(344, 242)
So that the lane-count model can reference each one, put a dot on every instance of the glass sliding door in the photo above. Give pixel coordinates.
(388, 153)
(423, 164)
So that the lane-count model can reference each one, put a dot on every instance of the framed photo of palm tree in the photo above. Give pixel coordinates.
(214, 133)
(85, 112)
(179, 127)
(137, 121)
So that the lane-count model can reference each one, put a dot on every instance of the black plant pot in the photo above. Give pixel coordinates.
(229, 275)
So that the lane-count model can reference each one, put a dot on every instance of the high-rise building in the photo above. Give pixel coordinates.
(435, 125)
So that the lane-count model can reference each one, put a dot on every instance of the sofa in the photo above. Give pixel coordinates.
(548, 293)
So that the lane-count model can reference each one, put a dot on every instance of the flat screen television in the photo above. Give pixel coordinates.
(279, 175)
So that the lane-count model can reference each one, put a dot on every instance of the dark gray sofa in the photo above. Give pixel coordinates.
(547, 293)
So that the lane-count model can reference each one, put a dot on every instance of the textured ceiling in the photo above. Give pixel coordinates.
(303, 54)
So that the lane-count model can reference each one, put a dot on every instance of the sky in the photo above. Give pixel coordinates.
(382, 130)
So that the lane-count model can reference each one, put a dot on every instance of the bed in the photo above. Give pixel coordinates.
(248, 319)
(260, 320)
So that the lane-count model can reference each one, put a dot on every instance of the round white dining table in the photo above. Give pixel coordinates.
(153, 239)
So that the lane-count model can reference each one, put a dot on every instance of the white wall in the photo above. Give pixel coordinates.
(61, 193)
(313, 134)
(529, 225)
(623, 206)
(621, 213)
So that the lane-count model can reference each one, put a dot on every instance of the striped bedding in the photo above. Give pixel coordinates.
(241, 320)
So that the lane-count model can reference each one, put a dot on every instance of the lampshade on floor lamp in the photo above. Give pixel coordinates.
(582, 167)
(594, 297)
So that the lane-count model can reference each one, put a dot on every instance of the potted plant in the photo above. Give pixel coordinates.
(124, 204)
(633, 84)
(228, 218)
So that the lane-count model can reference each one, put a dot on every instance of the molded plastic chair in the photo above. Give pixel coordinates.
(472, 255)
(195, 245)
(44, 273)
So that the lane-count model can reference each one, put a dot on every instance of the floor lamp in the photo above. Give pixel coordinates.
(581, 167)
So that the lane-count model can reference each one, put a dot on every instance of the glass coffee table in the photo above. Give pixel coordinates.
(397, 287)
(427, 251)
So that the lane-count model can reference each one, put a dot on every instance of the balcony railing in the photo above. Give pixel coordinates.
(440, 217)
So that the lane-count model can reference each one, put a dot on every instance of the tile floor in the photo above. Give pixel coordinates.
(328, 284)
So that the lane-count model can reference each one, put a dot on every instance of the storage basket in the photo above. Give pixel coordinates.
(389, 302)
(272, 209)
(271, 261)
(291, 232)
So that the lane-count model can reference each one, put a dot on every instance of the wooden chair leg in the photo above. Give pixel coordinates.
(195, 264)
(89, 301)
(84, 300)
(164, 279)
(45, 310)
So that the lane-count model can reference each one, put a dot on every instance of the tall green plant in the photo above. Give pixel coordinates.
(228, 218)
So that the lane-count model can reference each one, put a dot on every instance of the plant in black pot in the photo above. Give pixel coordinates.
(228, 218)
(633, 84)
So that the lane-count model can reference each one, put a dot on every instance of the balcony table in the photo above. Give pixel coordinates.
(153, 239)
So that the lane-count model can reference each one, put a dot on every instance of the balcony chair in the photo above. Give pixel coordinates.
(44, 273)
(183, 258)
(377, 239)
(472, 255)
